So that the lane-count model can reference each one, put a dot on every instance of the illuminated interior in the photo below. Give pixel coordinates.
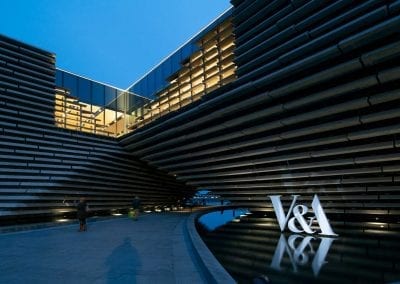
(207, 69)
(73, 114)
(89, 106)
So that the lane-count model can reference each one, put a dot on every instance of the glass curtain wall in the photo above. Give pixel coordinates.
(199, 67)
(202, 65)
(88, 106)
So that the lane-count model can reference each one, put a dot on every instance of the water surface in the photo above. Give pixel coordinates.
(253, 250)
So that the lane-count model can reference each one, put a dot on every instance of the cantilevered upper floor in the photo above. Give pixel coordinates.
(201, 65)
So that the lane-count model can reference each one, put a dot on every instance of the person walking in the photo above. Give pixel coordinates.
(136, 205)
(82, 212)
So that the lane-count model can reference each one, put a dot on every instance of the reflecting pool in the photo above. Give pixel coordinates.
(253, 250)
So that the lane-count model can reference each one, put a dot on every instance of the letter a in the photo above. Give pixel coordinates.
(321, 218)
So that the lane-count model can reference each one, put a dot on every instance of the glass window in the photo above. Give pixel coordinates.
(145, 89)
(59, 78)
(98, 94)
(110, 95)
(137, 89)
(133, 89)
(151, 84)
(175, 63)
(122, 101)
(186, 51)
(195, 47)
(71, 83)
(84, 90)
(160, 82)
(166, 68)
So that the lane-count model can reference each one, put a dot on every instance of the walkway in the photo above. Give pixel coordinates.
(153, 249)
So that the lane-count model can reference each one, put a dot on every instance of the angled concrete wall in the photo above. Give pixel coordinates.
(43, 169)
(315, 109)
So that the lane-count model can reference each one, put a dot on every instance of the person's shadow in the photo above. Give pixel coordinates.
(122, 263)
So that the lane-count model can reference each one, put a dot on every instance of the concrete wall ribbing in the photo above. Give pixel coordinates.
(315, 109)
(43, 169)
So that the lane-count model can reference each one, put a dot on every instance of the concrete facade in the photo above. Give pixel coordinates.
(43, 168)
(314, 110)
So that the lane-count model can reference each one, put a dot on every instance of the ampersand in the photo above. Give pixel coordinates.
(299, 255)
(298, 212)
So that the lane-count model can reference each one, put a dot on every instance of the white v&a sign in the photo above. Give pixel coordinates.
(298, 214)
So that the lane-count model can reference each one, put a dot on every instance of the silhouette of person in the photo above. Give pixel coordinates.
(136, 206)
(82, 212)
(122, 263)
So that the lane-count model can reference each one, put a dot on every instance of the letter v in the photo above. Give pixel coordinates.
(280, 214)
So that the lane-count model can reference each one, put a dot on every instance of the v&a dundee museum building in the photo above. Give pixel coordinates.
(288, 111)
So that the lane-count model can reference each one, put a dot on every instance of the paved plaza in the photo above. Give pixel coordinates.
(154, 249)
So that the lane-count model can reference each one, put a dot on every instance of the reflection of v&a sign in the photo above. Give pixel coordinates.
(298, 215)
(299, 253)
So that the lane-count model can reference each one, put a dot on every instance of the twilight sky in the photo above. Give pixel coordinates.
(111, 41)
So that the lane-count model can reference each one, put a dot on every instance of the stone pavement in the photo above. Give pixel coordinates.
(154, 249)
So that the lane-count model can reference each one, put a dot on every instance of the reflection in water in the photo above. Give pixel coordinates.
(216, 219)
(254, 250)
(298, 254)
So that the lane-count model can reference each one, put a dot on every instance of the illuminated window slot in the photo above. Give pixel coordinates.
(164, 100)
(198, 89)
(185, 87)
(197, 96)
(227, 65)
(211, 69)
(210, 44)
(225, 25)
(183, 72)
(213, 75)
(59, 108)
(154, 105)
(197, 72)
(164, 112)
(211, 56)
(175, 107)
(174, 101)
(228, 79)
(196, 57)
(164, 107)
(185, 80)
(172, 95)
(186, 102)
(173, 86)
(213, 88)
(212, 81)
(227, 60)
(229, 71)
(147, 115)
(156, 115)
(210, 36)
(156, 111)
(227, 33)
(227, 45)
(186, 95)
(198, 80)
(162, 93)
(198, 63)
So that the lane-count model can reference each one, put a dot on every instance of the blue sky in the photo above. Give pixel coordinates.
(111, 41)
